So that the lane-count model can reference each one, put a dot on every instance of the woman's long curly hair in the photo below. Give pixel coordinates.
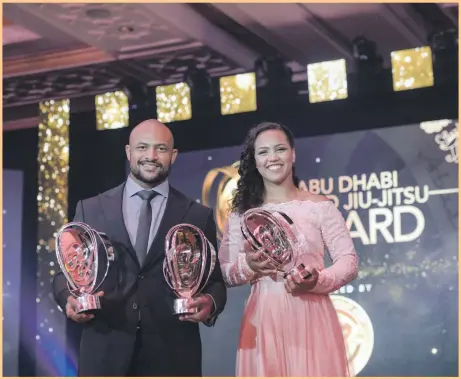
(250, 187)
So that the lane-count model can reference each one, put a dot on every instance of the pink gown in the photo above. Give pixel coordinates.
(286, 335)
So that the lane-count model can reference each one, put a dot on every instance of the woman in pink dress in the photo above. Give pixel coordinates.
(289, 326)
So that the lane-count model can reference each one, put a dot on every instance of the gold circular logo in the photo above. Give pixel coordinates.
(357, 331)
(224, 192)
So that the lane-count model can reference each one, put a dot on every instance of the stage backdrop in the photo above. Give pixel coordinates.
(398, 190)
(12, 237)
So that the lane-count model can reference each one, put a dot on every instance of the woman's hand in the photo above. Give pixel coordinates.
(258, 262)
(296, 285)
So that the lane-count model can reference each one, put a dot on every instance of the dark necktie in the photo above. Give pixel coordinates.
(144, 224)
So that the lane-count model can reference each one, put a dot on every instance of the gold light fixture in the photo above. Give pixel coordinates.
(112, 110)
(238, 93)
(327, 81)
(412, 68)
(173, 102)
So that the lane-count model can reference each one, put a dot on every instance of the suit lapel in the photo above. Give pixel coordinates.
(112, 205)
(175, 210)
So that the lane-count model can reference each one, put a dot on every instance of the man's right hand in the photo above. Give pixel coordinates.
(72, 307)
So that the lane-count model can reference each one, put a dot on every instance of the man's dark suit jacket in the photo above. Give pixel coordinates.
(107, 342)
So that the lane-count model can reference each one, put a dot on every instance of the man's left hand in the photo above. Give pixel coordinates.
(204, 303)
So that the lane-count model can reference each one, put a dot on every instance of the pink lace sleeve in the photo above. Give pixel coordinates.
(234, 267)
(340, 248)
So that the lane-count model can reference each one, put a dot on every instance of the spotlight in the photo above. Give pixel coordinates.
(443, 40)
(366, 54)
(273, 72)
(199, 81)
(274, 80)
(444, 45)
(370, 76)
(201, 91)
(140, 100)
(138, 94)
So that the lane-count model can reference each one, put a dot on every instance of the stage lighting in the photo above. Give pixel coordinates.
(366, 54)
(272, 71)
(363, 48)
(141, 98)
(444, 45)
(198, 81)
(370, 77)
(274, 80)
(446, 40)
(139, 95)
(202, 91)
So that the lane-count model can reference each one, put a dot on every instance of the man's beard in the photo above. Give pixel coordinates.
(157, 179)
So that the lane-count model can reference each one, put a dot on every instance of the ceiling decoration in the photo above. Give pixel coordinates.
(73, 50)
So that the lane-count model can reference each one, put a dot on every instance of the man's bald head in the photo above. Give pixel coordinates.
(150, 152)
(151, 127)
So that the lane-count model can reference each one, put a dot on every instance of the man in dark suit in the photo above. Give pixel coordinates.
(135, 332)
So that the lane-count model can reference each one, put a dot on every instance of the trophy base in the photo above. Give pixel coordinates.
(88, 303)
(181, 307)
(299, 270)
